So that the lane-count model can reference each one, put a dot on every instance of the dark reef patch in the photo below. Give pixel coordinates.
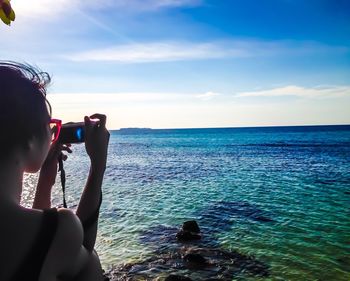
(219, 265)
(220, 216)
(196, 259)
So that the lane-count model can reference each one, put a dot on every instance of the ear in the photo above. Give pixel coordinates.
(27, 150)
(30, 156)
(28, 146)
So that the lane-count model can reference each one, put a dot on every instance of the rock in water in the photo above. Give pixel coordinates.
(190, 231)
(191, 226)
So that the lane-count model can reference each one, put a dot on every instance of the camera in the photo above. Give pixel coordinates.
(72, 133)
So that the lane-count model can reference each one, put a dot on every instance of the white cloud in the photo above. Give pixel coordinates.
(113, 98)
(297, 91)
(207, 96)
(158, 52)
(144, 5)
(164, 51)
(72, 99)
(34, 8)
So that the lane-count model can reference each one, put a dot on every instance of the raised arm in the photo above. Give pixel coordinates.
(47, 176)
(96, 144)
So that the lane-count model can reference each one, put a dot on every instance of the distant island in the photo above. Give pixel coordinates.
(134, 130)
(291, 128)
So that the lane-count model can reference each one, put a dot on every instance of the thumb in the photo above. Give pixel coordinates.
(87, 122)
(88, 126)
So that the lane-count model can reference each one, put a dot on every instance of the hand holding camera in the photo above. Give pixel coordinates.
(93, 132)
(96, 141)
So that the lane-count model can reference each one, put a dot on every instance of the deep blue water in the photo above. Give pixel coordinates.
(280, 194)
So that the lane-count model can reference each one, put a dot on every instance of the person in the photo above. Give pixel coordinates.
(44, 243)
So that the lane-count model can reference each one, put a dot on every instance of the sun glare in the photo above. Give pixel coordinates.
(38, 7)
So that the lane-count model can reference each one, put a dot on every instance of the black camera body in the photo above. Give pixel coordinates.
(72, 133)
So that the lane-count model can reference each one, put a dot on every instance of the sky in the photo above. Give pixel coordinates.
(189, 63)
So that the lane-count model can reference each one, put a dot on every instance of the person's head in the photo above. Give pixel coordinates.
(24, 114)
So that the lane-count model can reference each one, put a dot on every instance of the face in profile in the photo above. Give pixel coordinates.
(38, 150)
(25, 114)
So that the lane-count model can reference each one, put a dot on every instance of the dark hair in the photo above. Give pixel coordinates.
(24, 109)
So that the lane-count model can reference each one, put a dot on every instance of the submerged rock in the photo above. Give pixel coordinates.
(196, 263)
(215, 219)
(220, 216)
(197, 259)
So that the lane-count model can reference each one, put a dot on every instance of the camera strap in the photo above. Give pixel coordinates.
(63, 178)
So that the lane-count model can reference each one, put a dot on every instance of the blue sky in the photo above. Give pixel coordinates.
(189, 63)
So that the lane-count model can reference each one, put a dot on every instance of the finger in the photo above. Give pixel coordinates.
(102, 118)
(58, 148)
(66, 149)
(64, 157)
(87, 125)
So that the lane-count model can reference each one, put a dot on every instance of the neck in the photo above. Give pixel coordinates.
(11, 179)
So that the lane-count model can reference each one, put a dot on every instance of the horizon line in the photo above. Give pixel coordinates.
(236, 127)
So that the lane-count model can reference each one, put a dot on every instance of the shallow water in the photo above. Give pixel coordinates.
(281, 195)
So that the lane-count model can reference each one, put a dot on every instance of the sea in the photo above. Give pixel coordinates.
(278, 194)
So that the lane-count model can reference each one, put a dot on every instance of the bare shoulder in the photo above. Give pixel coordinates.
(70, 236)
(65, 255)
(69, 226)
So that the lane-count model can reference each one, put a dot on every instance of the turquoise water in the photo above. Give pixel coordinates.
(279, 194)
